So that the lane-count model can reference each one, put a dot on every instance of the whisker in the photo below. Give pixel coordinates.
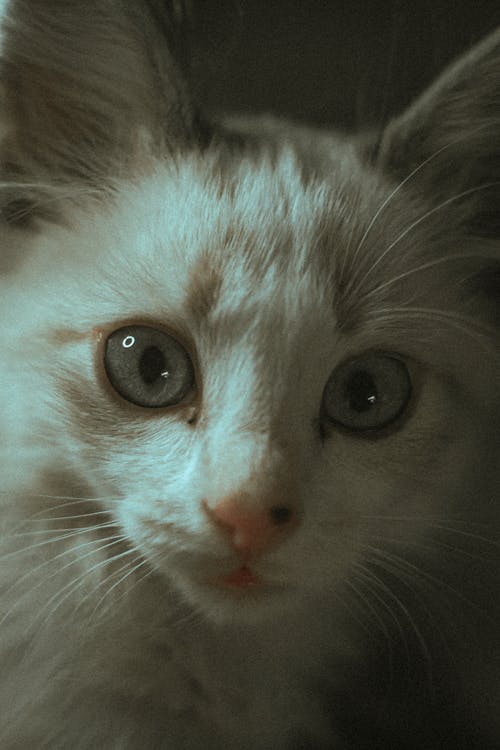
(149, 560)
(73, 585)
(374, 613)
(52, 560)
(401, 605)
(419, 269)
(461, 322)
(41, 582)
(419, 546)
(355, 291)
(371, 581)
(103, 582)
(399, 187)
(469, 534)
(90, 514)
(140, 563)
(386, 562)
(75, 498)
(438, 583)
(438, 523)
(83, 529)
(52, 540)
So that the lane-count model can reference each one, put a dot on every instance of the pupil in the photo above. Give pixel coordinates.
(151, 364)
(360, 391)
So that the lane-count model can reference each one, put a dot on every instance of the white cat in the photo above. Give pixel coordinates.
(249, 399)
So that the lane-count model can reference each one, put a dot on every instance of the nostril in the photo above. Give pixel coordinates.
(280, 514)
(250, 530)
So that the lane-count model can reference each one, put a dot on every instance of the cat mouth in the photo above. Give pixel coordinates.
(240, 578)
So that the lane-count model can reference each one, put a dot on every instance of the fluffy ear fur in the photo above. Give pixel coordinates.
(451, 137)
(446, 147)
(90, 91)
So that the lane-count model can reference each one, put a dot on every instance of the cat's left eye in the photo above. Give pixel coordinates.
(367, 393)
(147, 366)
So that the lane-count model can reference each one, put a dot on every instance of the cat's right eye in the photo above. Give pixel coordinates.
(148, 367)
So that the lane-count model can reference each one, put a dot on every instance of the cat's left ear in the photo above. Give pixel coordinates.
(90, 91)
(449, 142)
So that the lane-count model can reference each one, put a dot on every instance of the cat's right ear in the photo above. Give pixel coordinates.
(90, 92)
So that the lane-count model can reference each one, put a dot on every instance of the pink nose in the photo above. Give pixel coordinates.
(251, 530)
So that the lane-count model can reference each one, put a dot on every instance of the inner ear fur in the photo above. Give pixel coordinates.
(90, 92)
(450, 139)
(446, 149)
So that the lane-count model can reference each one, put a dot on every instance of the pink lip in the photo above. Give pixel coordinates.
(241, 578)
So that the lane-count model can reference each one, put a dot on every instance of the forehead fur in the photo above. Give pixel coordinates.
(190, 226)
(187, 248)
(233, 243)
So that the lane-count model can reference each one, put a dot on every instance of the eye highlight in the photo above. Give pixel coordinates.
(147, 366)
(367, 393)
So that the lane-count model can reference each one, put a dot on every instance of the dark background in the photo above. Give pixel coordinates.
(341, 63)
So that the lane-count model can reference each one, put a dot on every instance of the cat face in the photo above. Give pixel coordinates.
(256, 364)
(251, 432)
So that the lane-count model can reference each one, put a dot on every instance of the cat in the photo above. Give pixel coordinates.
(249, 405)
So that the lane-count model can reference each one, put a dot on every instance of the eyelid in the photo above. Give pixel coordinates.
(178, 332)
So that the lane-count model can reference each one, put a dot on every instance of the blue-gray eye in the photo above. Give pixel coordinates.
(367, 392)
(147, 366)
